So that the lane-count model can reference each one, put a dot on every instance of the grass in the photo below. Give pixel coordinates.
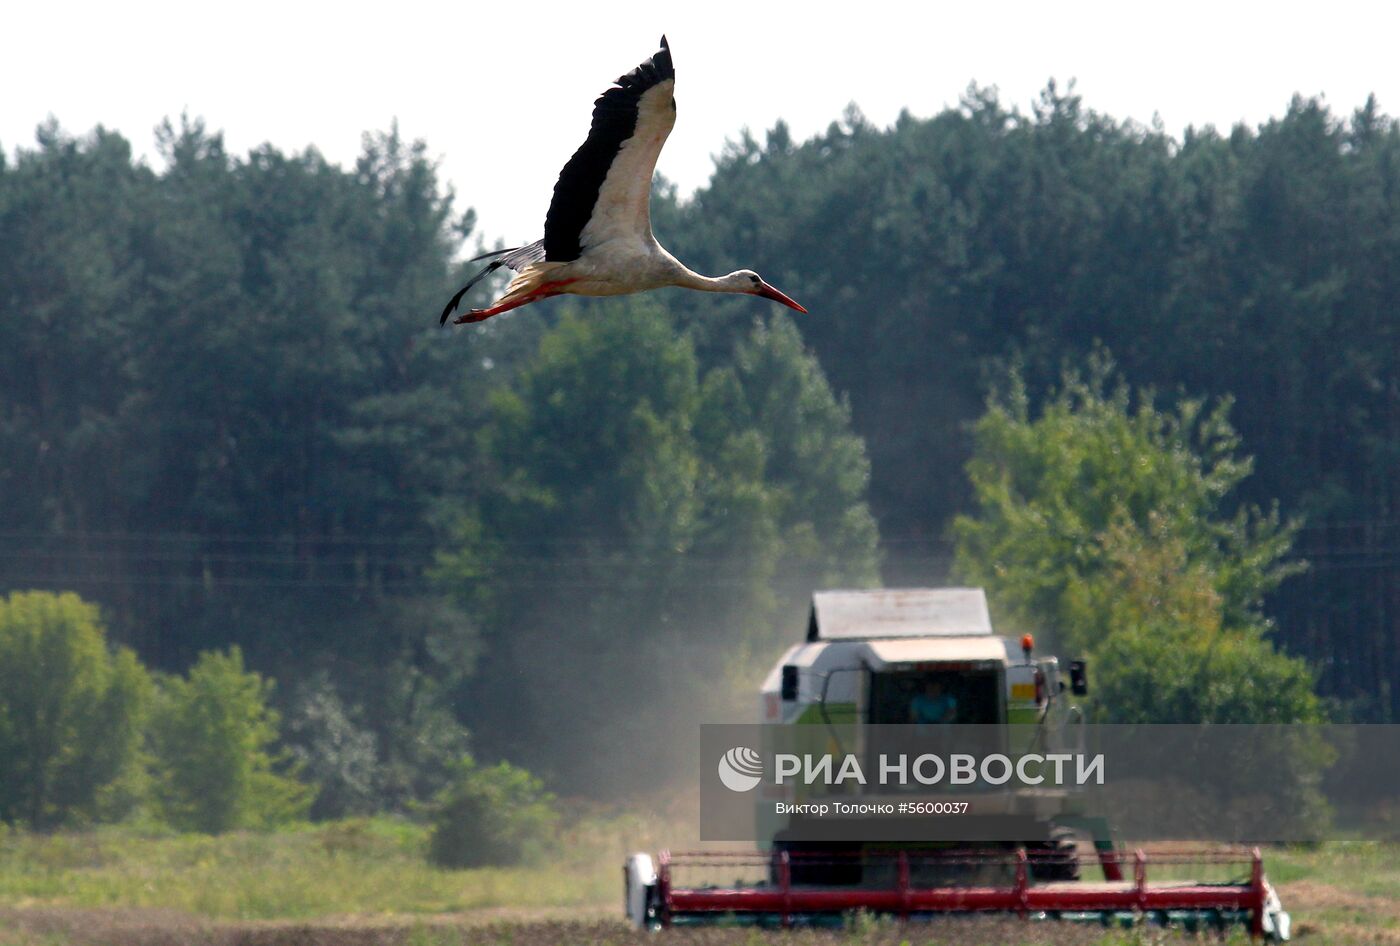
(369, 877)
(1342, 891)
(369, 867)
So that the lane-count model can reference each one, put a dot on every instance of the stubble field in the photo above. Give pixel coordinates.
(365, 883)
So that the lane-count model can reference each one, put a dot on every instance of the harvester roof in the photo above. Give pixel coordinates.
(898, 612)
(895, 653)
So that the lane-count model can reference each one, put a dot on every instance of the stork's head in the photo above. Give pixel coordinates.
(746, 280)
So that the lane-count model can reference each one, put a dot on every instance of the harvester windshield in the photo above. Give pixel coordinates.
(951, 695)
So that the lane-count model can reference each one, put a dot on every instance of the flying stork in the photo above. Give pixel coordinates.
(597, 234)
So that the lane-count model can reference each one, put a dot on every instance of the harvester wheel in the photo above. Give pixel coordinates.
(1055, 859)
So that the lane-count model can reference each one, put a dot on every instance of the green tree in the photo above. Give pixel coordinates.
(71, 224)
(71, 710)
(1103, 521)
(211, 738)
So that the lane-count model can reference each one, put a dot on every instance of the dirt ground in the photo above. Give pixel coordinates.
(53, 926)
(1326, 913)
(1323, 914)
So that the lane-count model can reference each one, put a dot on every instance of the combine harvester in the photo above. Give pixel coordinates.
(868, 656)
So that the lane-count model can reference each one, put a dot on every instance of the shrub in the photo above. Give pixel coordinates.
(490, 816)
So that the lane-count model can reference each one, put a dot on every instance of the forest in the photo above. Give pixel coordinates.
(228, 416)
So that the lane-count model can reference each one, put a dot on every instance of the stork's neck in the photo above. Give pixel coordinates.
(732, 282)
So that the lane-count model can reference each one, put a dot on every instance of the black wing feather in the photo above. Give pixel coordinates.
(517, 258)
(614, 120)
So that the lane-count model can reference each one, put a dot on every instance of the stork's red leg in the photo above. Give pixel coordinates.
(481, 315)
(544, 292)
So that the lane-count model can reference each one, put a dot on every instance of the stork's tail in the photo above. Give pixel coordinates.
(452, 304)
(517, 258)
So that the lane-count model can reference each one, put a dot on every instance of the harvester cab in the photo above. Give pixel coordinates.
(926, 657)
(879, 665)
(873, 657)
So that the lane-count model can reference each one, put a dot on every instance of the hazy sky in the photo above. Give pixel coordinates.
(502, 92)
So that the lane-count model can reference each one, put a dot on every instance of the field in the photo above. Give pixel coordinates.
(365, 882)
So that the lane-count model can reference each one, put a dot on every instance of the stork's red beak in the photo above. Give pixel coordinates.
(768, 292)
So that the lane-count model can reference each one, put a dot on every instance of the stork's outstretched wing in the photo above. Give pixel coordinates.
(604, 191)
(517, 259)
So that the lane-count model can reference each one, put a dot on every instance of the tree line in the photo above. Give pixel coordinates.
(228, 416)
(87, 734)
